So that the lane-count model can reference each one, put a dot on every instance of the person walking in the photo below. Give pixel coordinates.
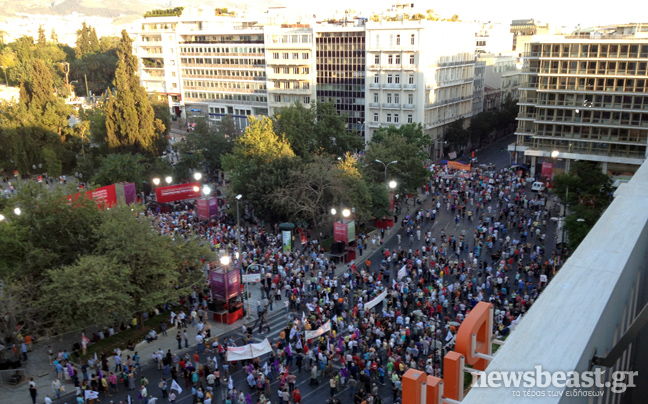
(56, 388)
(33, 392)
(179, 339)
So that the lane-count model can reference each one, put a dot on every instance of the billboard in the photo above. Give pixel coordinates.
(340, 232)
(207, 207)
(225, 283)
(104, 196)
(547, 169)
(286, 236)
(178, 192)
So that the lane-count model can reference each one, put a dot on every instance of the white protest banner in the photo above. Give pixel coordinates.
(175, 386)
(372, 303)
(251, 278)
(320, 331)
(250, 351)
(91, 395)
(402, 272)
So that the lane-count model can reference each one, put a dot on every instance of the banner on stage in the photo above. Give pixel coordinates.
(91, 395)
(250, 351)
(320, 331)
(373, 303)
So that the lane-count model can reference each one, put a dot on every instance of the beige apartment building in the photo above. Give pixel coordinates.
(419, 72)
(587, 99)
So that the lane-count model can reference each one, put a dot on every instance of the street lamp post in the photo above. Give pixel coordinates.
(386, 165)
(240, 253)
(168, 179)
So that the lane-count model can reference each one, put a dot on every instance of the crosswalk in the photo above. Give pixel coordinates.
(277, 321)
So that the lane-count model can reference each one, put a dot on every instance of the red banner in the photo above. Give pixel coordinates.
(391, 202)
(547, 169)
(104, 196)
(340, 232)
(178, 192)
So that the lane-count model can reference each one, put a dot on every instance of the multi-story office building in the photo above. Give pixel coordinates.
(206, 65)
(585, 98)
(290, 59)
(340, 64)
(419, 72)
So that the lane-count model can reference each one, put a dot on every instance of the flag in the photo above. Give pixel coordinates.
(175, 386)
(91, 395)
(230, 383)
(449, 336)
(248, 399)
(96, 357)
(288, 352)
(303, 317)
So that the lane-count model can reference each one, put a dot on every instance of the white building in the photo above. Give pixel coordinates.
(501, 78)
(419, 72)
(478, 87)
(291, 73)
(493, 38)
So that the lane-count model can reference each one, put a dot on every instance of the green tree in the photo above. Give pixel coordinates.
(481, 126)
(297, 124)
(156, 265)
(331, 133)
(83, 46)
(456, 135)
(42, 39)
(409, 171)
(130, 119)
(120, 167)
(206, 145)
(54, 36)
(96, 292)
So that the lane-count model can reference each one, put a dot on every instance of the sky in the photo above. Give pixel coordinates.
(556, 12)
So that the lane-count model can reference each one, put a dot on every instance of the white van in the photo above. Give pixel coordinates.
(538, 186)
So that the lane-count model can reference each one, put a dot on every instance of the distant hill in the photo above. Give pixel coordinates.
(99, 8)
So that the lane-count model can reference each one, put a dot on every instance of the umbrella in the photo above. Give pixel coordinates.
(454, 323)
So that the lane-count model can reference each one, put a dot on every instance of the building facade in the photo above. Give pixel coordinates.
(340, 65)
(419, 72)
(587, 99)
(478, 87)
(493, 38)
(290, 57)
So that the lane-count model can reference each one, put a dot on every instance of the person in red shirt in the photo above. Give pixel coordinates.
(296, 396)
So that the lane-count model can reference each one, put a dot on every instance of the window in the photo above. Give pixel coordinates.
(397, 79)
(295, 70)
(411, 59)
(287, 99)
(375, 97)
(389, 79)
(390, 60)
(377, 59)
(277, 70)
(375, 117)
(410, 99)
(305, 85)
(285, 55)
(305, 70)
(295, 56)
(275, 55)
(388, 117)
(412, 40)
(398, 59)
(395, 118)
(389, 98)
(396, 98)
(410, 119)
(410, 79)
(306, 100)
(277, 98)
(285, 70)
(305, 56)
(376, 78)
(397, 39)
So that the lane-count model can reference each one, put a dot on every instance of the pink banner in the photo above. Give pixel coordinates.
(547, 169)
(340, 232)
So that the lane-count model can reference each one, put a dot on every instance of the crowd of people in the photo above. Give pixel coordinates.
(496, 250)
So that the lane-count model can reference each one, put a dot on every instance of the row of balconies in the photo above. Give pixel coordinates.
(582, 55)
(392, 86)
(588, 72)
(391, 67)
(227, 90)
(221, 101)
(229, 78)
(448, 101)
(214, 54)
(224, 66)
(391, 105)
